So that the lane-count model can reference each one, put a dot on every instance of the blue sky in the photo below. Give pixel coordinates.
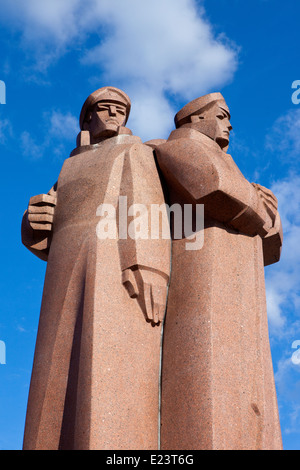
(163, 53)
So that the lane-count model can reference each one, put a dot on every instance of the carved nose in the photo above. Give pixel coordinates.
(112, 110)
(229, 126)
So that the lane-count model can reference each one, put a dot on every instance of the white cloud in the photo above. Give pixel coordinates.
(284, 137)
(159, 48)
(275, 300)
(151, 115)
(150, 49)
(63, 125)
(166, 45)
(283, 280)
(30, 149)
(59, 128)
(288, 386)
(47, 20)
(5, 130)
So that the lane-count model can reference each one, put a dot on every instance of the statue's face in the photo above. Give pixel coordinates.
(223, 125)
(216, 122)
(105, 119)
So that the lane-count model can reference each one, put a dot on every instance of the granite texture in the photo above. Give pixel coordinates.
(218, 387)
(97, 365)
(95, 378)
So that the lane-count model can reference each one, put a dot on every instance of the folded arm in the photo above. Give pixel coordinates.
(200, 173)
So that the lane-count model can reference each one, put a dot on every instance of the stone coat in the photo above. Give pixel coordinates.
(218, 388)
(95, 377)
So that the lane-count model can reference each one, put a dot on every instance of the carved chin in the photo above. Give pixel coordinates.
(109, 130)
(112, 126)
(222, 141)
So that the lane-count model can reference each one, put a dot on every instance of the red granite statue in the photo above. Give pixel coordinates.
(95, 377)
(217, 379)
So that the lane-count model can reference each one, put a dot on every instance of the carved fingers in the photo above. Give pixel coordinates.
(269, 202)
(41, 211)
(150, 290)
(130, 284)
(155, 302)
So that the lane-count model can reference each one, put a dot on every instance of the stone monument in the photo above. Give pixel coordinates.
(218, 387)
(95, 379)
(97, 374)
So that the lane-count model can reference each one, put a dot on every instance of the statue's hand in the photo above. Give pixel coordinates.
(270, 204)
(150, 289)
(40, 212)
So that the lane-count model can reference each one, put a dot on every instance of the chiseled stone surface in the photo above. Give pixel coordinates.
(96, 373)
(95, 377)
(218, 387)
